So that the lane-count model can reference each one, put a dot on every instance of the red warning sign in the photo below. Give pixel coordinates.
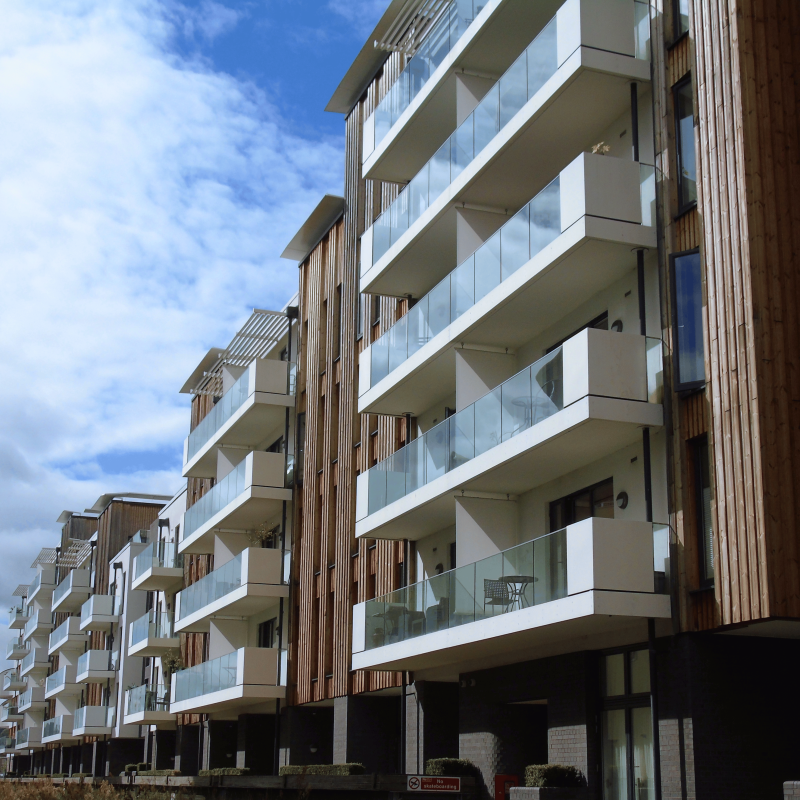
(427, 783)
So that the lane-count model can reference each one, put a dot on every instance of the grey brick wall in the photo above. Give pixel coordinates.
(791, 789)
(568, 744)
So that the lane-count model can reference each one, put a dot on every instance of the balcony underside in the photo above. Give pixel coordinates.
(582, 433)
(72, 600)
(158, 579)
(260, 413)
(100, 622)
(23, 748)
(590, 620)
(255, 505)
(61, 737)
(75, 641)
(66, 690)
(94, 676)
(591, 255)
(163, 720)
(151, 646)
(588, 93)
(92, 730)
(255, 698)
(245, 601)
(36, 668)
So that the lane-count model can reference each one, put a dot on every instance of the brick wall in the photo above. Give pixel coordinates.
(791, 790)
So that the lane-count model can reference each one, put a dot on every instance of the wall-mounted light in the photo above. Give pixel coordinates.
(622, 500)
(313, 748)
(616, 326)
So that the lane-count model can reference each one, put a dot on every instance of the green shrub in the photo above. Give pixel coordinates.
(206, 773)
(160, 773)
(58, 775)
(553, 775)
(322, 769)
(454, 767)
(142, 766)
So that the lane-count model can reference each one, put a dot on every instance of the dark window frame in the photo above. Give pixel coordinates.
(683, 386)
(572, 495)
(683, 208)
(699, 448)
(677, 31)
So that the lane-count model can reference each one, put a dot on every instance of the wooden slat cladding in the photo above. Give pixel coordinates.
(748, 54)
(331, 569)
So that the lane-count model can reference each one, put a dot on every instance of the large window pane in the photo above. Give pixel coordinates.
(642, 740)
(689, 319)
(684, 120)
(615, 762)
(681, 17)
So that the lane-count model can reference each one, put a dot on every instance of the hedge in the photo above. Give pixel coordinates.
(159, 773)
(553, 775)
(456, 767)
(207, 773)
(322, 769)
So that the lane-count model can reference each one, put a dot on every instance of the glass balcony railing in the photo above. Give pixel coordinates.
(157, 554)
(438, 43)
(94, 717)
(29, 661)
(523, 576)
(17, 613)
(153, 626)
(522, 80)
(7, 743)
(57, 679)
(496, 260)
(53, 727)
(210, 676)
(101, 605)
(77, 579)
(147, 698)
(8, 711)
(25, 736)
(216, 584)
(25, 698)
(211, 503)
(11, 679)
(14, 646)
(35, 584)
(33, 623)
(522, 401)
(60, 633)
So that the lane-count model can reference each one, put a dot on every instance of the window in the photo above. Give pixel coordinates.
(600, 323)
(359, 317)
(705, 529)
(266, 633)
(687, 292)
(684, 137)
(376, 309)
(680, 16)
(594, 501)
(627, 731)
(301, 447)
(276, 446)
(338, 321)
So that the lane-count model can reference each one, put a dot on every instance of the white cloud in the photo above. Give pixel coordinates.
(363, 15)
(144, 201)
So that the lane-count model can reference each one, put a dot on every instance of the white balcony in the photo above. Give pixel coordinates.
(7, 745)
(575, 238)
(583, 401)
(62, 683)
(99, 612)
(12, 682)
(158, 568)
(95, 666)
(17, 618)
(250, 582)
(16, 651)
(152, 635)
(248, 677)
(73, 591)
(10, 715)
(94, 721)
(149, 705)
(42, 586)
(32, 699)
(67, 636)
(29, 739)
(580, 588)
(250, 410)
(571, 84)
(35, 663)
(251, 493)
(39, 623)
(58, 729)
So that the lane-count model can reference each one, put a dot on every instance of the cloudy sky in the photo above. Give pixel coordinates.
(156, 157)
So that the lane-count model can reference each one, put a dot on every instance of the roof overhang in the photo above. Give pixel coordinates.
(66, 516)
(311, 232)
(209, 359)
(105, 500)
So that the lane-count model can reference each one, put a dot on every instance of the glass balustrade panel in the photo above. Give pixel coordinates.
(212, 587)
(211, 676)
(211, 503)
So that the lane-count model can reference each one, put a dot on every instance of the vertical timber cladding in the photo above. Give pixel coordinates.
(748, 61)
(334, 571)
(117, 523)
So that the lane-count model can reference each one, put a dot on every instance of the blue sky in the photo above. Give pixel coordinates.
(162, 153)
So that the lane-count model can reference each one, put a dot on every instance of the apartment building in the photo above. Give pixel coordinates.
(543, 334)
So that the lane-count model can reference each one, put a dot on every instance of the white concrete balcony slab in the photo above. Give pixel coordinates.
(250, 676)
(572, 589)
(17, 618)
(13, 682)
(28, 739)
(95, 666)
(149, 705)
(16, 650)
(67, 636)
(252, 581)
(158, 568)
(35, 663)
(250, 410)
(39, 624)
(10, 715)
(42, 586)
(251, 493)
(62, 683)
(32, 699)
(152, 635)
(555, 101)
(58, 729)
(574, 239)
(94, 721)
(99, 612)
(583, 401)
(73, 591)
